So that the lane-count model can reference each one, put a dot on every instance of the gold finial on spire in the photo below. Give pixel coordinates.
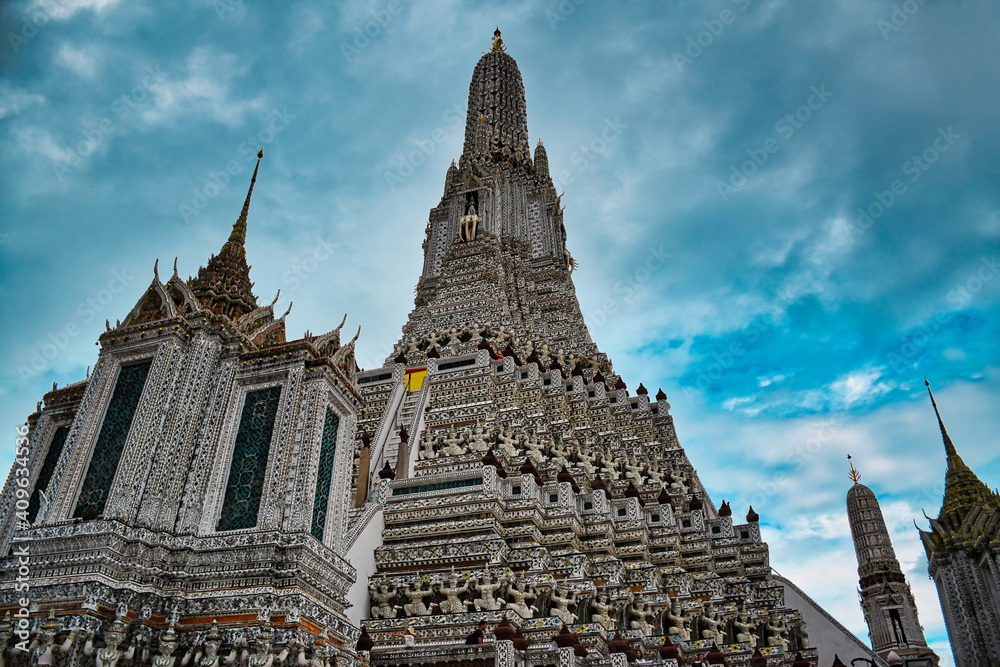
(854, 474)
(539, 142)
(498, 44)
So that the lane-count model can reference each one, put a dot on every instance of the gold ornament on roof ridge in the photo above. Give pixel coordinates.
(854, 474)
(498, 44)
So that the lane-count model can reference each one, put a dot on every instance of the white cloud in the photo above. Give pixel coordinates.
(860, 386)
(744, 405)
(827, 526)
(64, 9)
(765, 381)
(81, 60)
(13, 101)
(205, 90)
(38, 142)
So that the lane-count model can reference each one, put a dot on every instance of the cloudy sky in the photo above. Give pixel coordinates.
(819, 179)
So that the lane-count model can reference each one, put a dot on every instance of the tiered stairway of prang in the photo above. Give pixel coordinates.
(585, 494)
(505, 450)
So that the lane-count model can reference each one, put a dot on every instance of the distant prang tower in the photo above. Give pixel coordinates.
(888, 604)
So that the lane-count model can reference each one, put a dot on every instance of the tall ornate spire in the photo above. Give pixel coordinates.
(496, 95)
(962, 488)
(223, 285)
(239, 235)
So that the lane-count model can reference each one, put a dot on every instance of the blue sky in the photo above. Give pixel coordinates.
(816, 182)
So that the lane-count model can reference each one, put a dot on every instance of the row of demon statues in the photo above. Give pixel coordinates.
(501, 337)
(254, 647)
(485, 592)
(566, 452)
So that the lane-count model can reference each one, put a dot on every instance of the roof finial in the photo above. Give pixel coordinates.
(949, 446)
(239, 235)
(498, 44)
(854, 474)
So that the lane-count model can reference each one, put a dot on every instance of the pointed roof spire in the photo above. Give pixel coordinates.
(239, 234)
(223, 285)
(949, 446)
(963, 490)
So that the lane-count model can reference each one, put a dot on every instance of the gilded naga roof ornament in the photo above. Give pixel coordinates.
(854, 474)
(498, 44)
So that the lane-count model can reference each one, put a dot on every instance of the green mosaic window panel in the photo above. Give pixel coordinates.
(111, 441)
(249, 462)
(327, 450)
(45, 474)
